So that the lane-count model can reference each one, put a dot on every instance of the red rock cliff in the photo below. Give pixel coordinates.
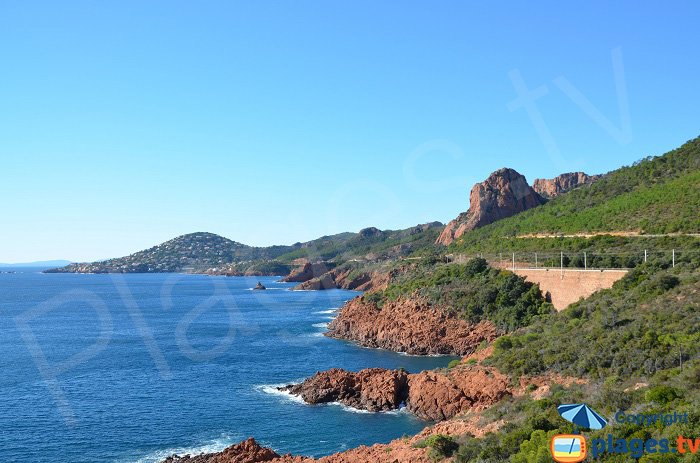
(431, 395)
(344, 278)
(307, 271)
(409, 325)
(503, 194)
(550, 188)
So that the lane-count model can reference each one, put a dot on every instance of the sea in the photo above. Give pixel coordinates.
(132, 368)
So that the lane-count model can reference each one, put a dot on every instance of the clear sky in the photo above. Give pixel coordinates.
(126, 123)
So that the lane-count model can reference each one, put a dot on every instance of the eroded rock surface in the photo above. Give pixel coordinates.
(373, 389)
(434, 395)
(553, 187)
(307, 271)
(431, 395)
(409, 325)
(503, 194)
(247, 451)
(345, 279)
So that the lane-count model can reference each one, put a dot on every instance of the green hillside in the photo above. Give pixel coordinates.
(370, 243)
(636, 344)
(191, 251)
(207, 252)
(658, 195)
(474, 291)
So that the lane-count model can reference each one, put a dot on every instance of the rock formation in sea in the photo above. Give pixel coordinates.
(553, 187)
(409, 325)
(373, 389)
(248, 451)
(402, 450)
(431, 395)
(455, 397)
(503, 194)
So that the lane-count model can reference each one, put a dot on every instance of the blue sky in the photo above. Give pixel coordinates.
(124, 124)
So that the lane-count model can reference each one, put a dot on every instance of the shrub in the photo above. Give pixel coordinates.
(661, 395)
(453, 363)
(441, 446)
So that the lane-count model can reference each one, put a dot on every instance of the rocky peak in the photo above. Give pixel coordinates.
(503, 194)
(553, 187)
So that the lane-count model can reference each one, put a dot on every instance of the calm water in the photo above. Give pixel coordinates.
(102, 368)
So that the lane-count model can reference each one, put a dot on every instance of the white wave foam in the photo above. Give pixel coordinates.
(349, 409)
(211, 446)
(287, 396)
(320, 325)
(325, 312)
(406, 354)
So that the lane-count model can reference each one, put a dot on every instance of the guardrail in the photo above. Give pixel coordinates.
(582, 260)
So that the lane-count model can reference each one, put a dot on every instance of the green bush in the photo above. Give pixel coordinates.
(440, 446)
(662, 395)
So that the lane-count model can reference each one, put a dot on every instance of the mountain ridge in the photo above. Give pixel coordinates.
(631, 198)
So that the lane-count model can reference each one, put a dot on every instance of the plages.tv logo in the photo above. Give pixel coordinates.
(568, 448)
(572, 448)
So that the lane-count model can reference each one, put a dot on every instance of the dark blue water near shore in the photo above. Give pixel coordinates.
(131, 368)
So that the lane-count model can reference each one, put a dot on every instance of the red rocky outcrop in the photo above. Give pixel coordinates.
(373, 389)
(432, 395)
(409, 325)
(307, 271)
(344, 278)
(551, 188)
(247, 451)
(503, 194)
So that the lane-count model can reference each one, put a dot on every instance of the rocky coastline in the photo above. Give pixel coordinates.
(409, 325)
(345, 278)
(430, 395)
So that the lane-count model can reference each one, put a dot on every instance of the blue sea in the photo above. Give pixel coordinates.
(132, 368)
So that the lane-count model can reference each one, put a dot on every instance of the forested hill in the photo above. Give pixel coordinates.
(195, 250)
(207, 252)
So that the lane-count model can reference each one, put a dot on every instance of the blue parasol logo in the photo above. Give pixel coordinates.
(582, 416)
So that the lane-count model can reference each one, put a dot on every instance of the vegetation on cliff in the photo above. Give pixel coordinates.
(637, 343)
(532, 422)
(473, 290)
